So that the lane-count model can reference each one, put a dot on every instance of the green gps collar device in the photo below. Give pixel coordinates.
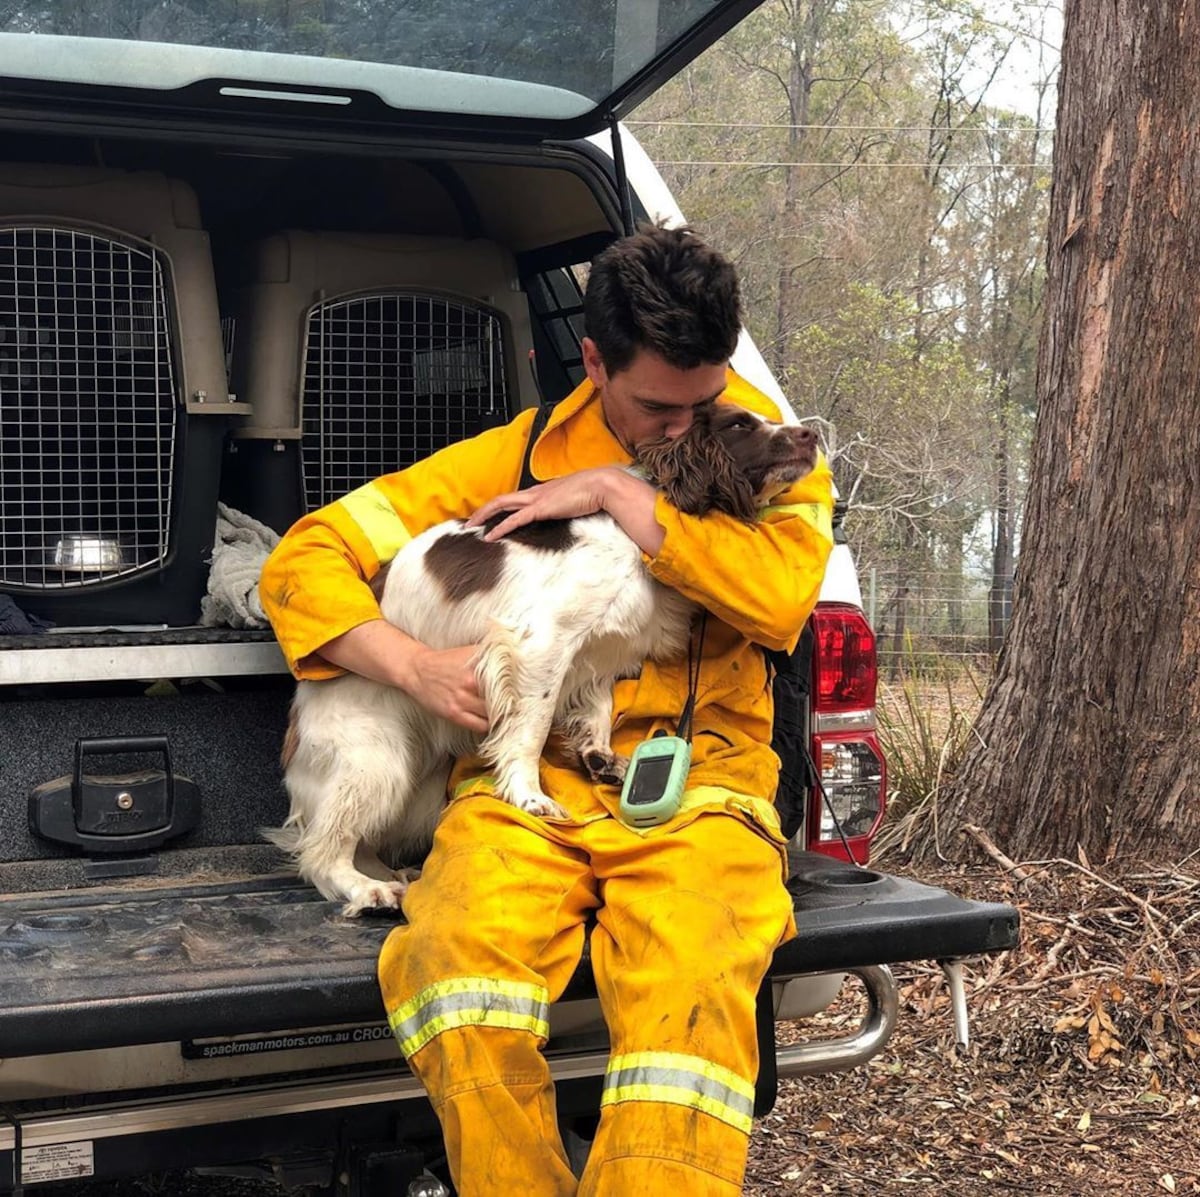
(654, 783)
(658, 769)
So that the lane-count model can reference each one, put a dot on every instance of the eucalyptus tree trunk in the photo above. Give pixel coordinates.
(1090, 732)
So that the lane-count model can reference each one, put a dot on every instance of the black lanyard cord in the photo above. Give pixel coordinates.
(684, 726)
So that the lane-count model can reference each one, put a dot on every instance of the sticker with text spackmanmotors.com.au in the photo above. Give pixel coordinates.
(283, 1041)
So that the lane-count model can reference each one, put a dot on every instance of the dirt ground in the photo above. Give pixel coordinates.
(1083, 1072)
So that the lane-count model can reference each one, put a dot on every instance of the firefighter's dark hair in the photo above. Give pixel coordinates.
(664, 290)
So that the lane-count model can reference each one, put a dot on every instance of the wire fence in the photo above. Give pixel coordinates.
(934, 623)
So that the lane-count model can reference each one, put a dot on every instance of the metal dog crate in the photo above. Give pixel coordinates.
(112, 389)
(361, 354)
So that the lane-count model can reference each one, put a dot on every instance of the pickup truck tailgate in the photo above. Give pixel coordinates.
(95, 969)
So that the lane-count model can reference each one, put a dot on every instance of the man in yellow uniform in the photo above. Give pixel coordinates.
(686, 914)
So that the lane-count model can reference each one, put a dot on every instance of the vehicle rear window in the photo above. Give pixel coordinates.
(585, 49)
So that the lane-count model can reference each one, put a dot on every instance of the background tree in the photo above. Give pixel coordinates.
(845, 153)
(918, 456)
(1090, 732)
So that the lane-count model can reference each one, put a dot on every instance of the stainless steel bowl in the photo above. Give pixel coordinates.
(88, 554)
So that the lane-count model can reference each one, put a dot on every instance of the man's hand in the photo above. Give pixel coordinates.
(629, 500)
(444, 682)
(441, 680)
(564, 498)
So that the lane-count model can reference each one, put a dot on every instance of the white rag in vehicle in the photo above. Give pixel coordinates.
(240, 547)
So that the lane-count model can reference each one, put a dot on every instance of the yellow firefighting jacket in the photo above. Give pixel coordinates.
(759, 581)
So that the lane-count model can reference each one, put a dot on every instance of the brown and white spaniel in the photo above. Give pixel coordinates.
(561, 609)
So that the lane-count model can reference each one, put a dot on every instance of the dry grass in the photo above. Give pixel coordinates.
(925, 720)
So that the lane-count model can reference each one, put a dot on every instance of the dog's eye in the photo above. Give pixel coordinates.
(742, 423)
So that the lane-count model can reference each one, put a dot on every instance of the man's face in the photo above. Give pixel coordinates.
(650, 398)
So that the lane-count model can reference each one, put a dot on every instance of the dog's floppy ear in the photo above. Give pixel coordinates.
(697, 475)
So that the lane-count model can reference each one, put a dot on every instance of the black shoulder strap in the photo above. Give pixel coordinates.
(541, 416)
(790, 684)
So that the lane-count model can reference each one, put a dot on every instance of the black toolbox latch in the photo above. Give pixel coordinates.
(125, 812)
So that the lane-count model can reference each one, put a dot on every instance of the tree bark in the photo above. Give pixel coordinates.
(1091, 729)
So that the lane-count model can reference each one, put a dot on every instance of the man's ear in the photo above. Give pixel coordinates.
(593, 363)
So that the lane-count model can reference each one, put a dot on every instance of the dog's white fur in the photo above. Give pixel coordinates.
(366, 765)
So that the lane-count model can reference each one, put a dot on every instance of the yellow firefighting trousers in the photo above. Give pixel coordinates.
(687, 917)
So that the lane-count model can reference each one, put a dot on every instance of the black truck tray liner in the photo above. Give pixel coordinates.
(82, 970)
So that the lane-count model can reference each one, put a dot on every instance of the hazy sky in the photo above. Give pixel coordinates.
(1028, 58)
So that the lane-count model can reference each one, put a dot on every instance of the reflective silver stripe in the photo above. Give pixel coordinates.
(465, 1002)
(681, 1080)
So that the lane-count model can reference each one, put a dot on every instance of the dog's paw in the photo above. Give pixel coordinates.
(541, 805)
(375, 895)
(604, 768)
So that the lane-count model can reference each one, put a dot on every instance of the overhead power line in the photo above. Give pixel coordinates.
(842, 128)
(841, 166)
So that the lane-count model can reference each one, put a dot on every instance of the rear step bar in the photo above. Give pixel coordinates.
(849, 1051)
(246, 1104)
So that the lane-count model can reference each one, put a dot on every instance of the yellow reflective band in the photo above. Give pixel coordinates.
(680, 1097)
(816, 515)
(681, 1063)
(470, 1002)
(720, 797)
(681, 1080)
(701, 796)
(369, 508)
(517, 989)
(491, 1017)
(715, 798)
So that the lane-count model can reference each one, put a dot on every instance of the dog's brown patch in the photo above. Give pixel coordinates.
(464, 565)
(379, 581)
(291, 741)
(551, 536)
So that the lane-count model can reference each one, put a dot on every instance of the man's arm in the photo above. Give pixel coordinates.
(761, 578)
(314, 587)
(443, 681)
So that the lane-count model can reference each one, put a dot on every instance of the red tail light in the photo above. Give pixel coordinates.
(843, 660)
(845, 747)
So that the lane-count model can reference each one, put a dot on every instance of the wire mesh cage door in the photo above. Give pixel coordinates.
(390, 378)
(88, 407)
